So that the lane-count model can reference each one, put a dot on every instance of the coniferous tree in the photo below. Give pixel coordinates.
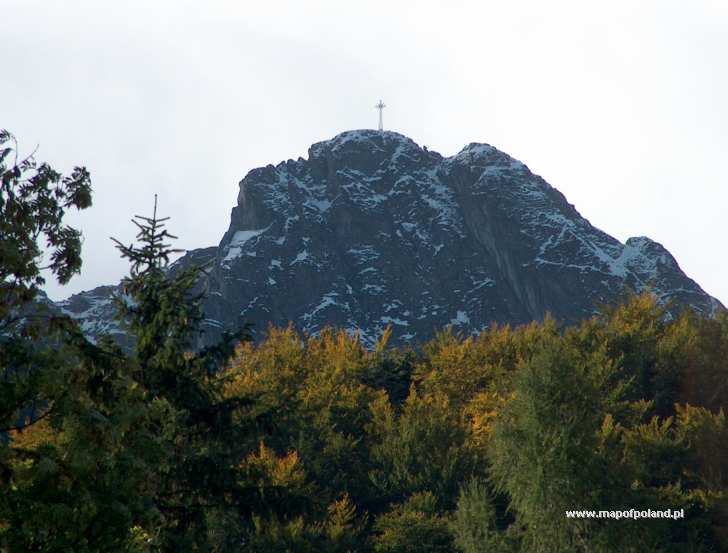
(415, 526)
(316, 444)
(474, 522)
(73, 445)
(544, 442)
(205, 435)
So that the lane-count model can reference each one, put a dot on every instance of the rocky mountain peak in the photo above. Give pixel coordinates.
(372, 230)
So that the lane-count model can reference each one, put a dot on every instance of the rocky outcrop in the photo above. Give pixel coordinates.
(372, 230)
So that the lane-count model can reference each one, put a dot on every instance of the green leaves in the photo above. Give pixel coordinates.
(474, 523)
(316, 444)
(33, 202)
(424, 447)
(415, 526)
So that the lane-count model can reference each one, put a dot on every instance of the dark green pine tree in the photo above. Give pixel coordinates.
(75, 446)
(207, 435)
(161, 315)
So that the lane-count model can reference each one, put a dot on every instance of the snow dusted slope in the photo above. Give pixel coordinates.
(95, 309)
(372, 230)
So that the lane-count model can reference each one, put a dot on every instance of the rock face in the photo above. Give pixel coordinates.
(372, 230)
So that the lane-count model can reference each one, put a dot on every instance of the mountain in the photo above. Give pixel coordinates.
(372, 230)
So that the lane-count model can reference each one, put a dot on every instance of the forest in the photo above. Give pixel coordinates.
(298, 443)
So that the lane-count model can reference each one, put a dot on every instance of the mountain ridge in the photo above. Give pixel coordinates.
(372, 230)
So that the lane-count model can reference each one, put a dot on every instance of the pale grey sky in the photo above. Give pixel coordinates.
(619, 105)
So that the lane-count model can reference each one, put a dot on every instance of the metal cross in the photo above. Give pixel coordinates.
(380, 106)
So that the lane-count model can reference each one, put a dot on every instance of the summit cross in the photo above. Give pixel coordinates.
(380, 106)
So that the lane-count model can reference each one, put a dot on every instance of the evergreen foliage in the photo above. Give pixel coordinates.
(316, 444)
(413, 527)
(474, 524)
(73, 461)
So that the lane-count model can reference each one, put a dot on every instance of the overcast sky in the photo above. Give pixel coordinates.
(622, 106)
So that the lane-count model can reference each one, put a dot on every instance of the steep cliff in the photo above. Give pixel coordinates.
(372, 230)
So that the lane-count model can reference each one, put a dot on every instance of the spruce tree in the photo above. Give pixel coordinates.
(474, 521)
(74, 446)
(204, 436)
